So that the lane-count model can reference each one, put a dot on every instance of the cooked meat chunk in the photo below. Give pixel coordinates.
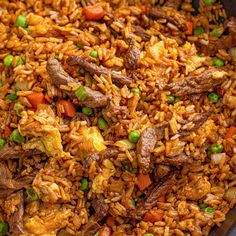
(107, 153)
(60, 77)
(100, 207)
(94, 69)
(157, 12)
(111, 113)
(204, 82)
(131, 57)
(163, 187)
(197, 188)
(57, 73)
(141, 32)
(161, 170)
(147, 141)
(178, 160)
(15, 219)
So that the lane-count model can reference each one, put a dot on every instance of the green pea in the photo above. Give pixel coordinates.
(2, 143)
(134, 136)
(198, 30)
(4, 228)
(1, 84)
(133, 202)
(21, 21)
(20, 61)
(102, 124)
(12, 97)
(17, 137)
(7, 61)
(87, 111)
(171, 99)
(209, 2)
(203, 206)
(31, 194)
(218, 62)
(94, 54)
(136, 90)
(217, 148)
(148, 234)
(213, 97)
(210, 210)
(84, 184)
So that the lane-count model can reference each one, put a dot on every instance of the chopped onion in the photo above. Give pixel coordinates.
(216, 158)
(230, 194)
(232, 52)
(125, 143)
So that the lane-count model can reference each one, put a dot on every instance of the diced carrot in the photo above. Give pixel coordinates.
(144, 181)
(105, 231)
(161, 198)
(68, 106)
(7, 132)
(36, 98)
(93, 12)
(153, 216)
(48, 99)
(231, 132)
(189, 26)
(143, 8)
(110, 221)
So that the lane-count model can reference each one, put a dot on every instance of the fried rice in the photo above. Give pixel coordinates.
(116, 117)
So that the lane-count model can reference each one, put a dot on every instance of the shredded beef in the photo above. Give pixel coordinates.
(141, 32)
(131, 57)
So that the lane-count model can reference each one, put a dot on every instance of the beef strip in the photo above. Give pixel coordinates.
(59, 77)
(107, 153)
(163, 187)
(131, 57)
(141, 32)
(94, 69)
(157, 12)
(15, 220)
(111, 111)
(161, 170)
(147, 141)
(195, 84)
(178, 160)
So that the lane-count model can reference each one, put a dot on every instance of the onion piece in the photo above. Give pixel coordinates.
(232, 52)
(216, 158)
(230, 194)
(125, 143)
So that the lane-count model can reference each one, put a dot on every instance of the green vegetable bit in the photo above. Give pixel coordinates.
(96, 234)
(203, 206)
(7, 61)
(17, 137)
(136, 90)
(198, 30)
(21, 21)
(213, 97)
(2, 143)
(81, 93)
(18, 108)
(209, 2)
(102, 124)
(1, 84)
(93, 54)
(81, 71)
(4, 228)
(31, 194)
(84, 184)
(216, 32)
(217, 148)
(20, 61)
(210, 210)
(134, 136)
(12, 97)
(148, 234)
(87, 111)
(218, 62)
(171, 99)
(133, 202)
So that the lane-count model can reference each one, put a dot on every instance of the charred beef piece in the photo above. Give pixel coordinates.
(161, 171)
(94, 69)
(163, 187)
(131, 57)
(147, 141)
(178, 160)
(141, 32)
(107, 153)
(59, 77)
(195, 84)
(157, 13)
(15, 220)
